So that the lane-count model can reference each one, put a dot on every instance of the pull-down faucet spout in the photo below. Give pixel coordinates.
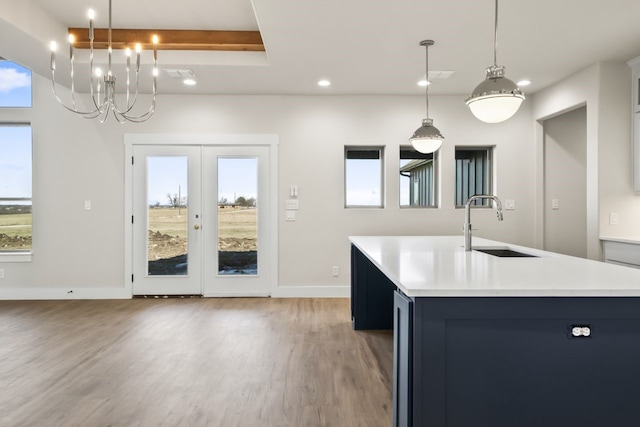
(467, 216)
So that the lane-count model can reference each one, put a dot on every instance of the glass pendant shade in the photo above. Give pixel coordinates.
(496, 99)
(427, 138)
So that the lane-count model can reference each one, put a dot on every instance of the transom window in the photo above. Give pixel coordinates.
(15, 85)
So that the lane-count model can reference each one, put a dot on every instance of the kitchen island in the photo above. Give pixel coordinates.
(481, 340)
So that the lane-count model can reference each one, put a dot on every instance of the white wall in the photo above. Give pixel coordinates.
(605, 89)
(75, 159)
(565, 172)
(616, 154)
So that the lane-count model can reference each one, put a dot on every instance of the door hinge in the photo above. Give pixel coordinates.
(131, 159)
(131, 219)
(132, 278)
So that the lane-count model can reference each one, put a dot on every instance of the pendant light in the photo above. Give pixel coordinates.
(497, 98)
(427, 138)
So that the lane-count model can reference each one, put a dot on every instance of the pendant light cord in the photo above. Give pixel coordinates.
(426, 78)
(495, 38)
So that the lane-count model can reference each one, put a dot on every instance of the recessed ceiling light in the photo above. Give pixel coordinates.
(423, 83)
(524, 83)
(189, 82)
(324, 83)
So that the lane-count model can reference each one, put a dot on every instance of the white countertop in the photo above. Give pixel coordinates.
(439, 266)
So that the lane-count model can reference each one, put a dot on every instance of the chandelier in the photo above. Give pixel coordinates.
(103, 85)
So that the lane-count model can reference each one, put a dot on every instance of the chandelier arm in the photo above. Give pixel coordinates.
(152, 108)
(130, 106)
(128, 80)
(105, 113)
(73, 81)
(61, 102)
(119, 117)
(92, 72)
(145, 116)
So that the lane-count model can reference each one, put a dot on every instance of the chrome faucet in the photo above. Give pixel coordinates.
(467, 216)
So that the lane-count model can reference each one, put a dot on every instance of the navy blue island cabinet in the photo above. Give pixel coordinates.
(505, 361)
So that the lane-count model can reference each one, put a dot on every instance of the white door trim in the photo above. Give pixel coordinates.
(270, 140)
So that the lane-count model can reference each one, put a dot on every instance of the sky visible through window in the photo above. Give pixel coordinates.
(15, 162)
(15, 85)
(363, 182)
(169, 175)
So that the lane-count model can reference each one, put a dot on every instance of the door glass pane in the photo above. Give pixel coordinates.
(167, 189)
(237, 215)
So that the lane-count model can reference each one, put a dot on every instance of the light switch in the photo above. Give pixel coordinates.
(614, 218)
(87, 205)
(291, 215)
(509, 204)
(292, 204)
(293, 191)
(555, 204)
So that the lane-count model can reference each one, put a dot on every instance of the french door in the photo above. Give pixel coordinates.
(201, 223)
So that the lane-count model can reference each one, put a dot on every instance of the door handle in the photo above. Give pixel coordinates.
(196, 227)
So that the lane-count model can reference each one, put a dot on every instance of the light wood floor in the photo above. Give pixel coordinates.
(191, 362)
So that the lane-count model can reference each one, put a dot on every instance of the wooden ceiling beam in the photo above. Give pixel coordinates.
(171, 39)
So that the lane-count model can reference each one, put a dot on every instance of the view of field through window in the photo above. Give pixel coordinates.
(15, 161)
(168, 215)
(15, 188)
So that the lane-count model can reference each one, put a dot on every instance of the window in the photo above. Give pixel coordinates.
(417, 178)
(15, 188)
(473, 174)
(15, 85)
(363, 177)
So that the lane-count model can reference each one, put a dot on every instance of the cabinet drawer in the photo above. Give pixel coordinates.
(622, 253)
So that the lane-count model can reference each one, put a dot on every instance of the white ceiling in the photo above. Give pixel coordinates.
(372, 46)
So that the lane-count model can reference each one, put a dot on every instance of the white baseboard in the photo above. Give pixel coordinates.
(125, 293)
(311, 292)
(235, 295)
(64, 293)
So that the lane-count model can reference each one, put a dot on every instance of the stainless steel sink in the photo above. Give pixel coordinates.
(504, 252)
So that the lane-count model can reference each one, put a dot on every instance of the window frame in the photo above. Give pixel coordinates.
(490, 175)
(380, 149)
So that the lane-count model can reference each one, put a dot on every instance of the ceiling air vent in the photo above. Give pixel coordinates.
(180, 73)
(433, 74)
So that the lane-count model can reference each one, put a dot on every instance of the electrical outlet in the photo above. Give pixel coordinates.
(291, 216)
(509, 204)
(335, 271)
(555, 204)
